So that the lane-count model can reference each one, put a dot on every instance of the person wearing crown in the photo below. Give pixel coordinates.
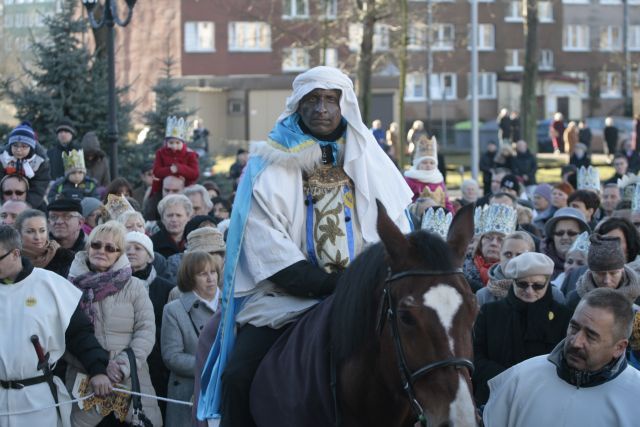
(304, 209)
(75, 184)
(23, 156)
(174, 158)
(424, 178)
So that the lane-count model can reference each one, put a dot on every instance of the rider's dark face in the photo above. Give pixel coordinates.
(320, 111)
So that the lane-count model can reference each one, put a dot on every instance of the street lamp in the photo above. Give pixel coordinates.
(110, 19)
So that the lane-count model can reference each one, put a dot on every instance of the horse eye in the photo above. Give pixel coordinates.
(407, 318)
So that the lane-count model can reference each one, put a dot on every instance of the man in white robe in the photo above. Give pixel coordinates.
(38, 302)
(585, 381)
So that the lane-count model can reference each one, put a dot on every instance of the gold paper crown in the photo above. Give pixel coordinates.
(588, 179)
(73, 161)
(497, 218)
(117, 205)
(177, 128)
(436, 221)
(426, 148)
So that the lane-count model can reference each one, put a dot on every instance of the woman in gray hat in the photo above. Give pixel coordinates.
(528, 322)
(561, 231)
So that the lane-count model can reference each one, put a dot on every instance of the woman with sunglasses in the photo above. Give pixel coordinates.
(118, 306)
(528, 322)
(561, 231)
(37, 247)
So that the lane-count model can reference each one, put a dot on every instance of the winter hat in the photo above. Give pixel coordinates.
(426, 149)
(65, 205)
(529, 264)
(89, 204)
(91, 144)
(25, 134)
(206, 239)
(565, 188)
(66, 124)
(566, 213)
(141, 239)
(544, 191)
(195, 223)
(605, 253)
(511, 182)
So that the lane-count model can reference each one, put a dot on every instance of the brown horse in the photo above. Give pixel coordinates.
(392, 346)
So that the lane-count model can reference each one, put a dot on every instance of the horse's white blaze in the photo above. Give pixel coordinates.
(445, 301)
(462, 410)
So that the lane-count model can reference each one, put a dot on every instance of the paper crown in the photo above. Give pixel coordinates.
(496, 218)
(581, 243)
(73, 161)
(117, 205)
(627, 185)
(177, 128)
(588, 179)
(426, 148)
(436, 221)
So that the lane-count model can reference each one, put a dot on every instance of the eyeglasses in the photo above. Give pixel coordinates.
(12, 192)
(63, 218)
(570, 233)
(108, 247)
(5, 255)
(535, 286)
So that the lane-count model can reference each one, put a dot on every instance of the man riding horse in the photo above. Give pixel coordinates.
(304, 209)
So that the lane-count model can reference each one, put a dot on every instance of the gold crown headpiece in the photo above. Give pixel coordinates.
(73, 161)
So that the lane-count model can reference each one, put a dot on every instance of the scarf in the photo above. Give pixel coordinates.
(147, 274)
(629, 286)
(41, 257)
(483, 268)
(15, 166)
(498, 285)
(97, 286)
(428, 177)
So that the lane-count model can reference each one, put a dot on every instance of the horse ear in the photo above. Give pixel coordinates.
(394, 241)
(461, 232)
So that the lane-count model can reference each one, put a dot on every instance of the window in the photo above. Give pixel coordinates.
(634, 37)
(514, 12)
(249, 37)
(443, 37)
(199, 37)
(545, 62)
(417, 37)
(583, 85)
(610, 2)
(610, 84)
(295, 59)
(330, 8)
(486, 85)
(486, 37)
(443, 86)
(514, 60)
(295, 9)
(329, 57)
(545, 11)
(415, 87)
(576, 38)
(611, 38)
(380, 37)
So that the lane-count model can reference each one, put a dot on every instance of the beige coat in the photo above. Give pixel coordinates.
(123, 320)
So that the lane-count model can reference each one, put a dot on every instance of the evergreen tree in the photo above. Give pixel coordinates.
(65, 81)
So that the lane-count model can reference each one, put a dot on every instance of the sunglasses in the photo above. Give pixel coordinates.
(12, 192)
(5, 255)
(535, 286)
(108, 247)
(570, 233)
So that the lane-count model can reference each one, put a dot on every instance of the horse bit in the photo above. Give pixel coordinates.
(408, 377)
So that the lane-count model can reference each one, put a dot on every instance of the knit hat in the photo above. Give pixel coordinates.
(89, 204)
(566, 188)
(141, 239)
(529, 264)
(25, 134)
(66, 124)
(544, 191)
(566, 213)
(206, 239)
(605, 253)
(91, 144)
(65, 205)
(511, 182)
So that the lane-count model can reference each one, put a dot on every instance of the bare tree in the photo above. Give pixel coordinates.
(528, 101)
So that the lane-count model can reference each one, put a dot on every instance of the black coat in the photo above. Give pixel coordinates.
(525, 164)
(584, 161)
(56, 168)
(509, 331)
(611, 138)
(487, 163)
(61, 262)
(164, 244)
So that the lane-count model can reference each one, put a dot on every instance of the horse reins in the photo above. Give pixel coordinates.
(408, 377)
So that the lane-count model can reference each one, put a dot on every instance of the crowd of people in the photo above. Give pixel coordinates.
(124, 286)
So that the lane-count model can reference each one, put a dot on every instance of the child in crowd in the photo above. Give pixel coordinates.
(424, 178)
(174, 158)
(75, 184)
(23, 156)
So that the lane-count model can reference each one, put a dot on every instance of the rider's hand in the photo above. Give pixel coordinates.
(100, 384)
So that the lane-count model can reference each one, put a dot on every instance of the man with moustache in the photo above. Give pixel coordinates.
(585, 380)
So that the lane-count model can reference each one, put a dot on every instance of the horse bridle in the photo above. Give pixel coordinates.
(409, 378)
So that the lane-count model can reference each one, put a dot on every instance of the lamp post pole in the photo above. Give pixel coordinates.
(110, 19)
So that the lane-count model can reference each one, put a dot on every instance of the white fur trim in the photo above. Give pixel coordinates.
(429, 177)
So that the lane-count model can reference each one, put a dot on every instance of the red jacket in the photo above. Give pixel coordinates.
(186, 160)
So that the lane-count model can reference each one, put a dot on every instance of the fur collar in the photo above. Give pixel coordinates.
(630, 287)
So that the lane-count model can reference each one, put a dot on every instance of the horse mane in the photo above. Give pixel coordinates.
(353, 312)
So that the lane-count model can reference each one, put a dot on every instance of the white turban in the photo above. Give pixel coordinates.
(374, 174)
